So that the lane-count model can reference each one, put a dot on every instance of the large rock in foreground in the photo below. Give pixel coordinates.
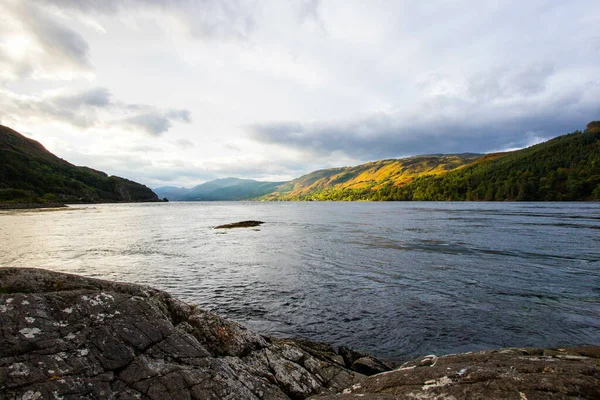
(69, 337)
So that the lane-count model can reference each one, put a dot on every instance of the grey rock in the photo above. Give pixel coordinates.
(520, 374)
(364, 363)
(65, 336)
(368, 365)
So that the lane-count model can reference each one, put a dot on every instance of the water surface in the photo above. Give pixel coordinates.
(393, 279)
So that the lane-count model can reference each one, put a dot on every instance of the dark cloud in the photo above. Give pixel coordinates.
(154, 123)
(91, 108)
(95, 97)
(444, 124)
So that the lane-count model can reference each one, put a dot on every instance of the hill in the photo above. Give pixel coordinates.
(219, 190)
(31, 174)
(369, 177)
(566, 168)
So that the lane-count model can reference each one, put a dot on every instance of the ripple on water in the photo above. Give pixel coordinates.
(394, 279)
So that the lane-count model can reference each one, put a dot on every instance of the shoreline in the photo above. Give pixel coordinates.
(33, 206)
(30, 206)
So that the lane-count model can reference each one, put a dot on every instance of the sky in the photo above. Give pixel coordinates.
(176, 93)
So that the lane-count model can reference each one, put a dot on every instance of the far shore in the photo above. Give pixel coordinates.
(25, 206)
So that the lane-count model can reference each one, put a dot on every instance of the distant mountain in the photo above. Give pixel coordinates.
(31, 174)
(171, 193)
(219, 190)
(561, 169)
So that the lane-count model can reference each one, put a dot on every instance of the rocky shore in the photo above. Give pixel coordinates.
(26, 206)
(68, 337)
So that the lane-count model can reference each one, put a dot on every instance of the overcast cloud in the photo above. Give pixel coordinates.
(180, 92)
(89, 108)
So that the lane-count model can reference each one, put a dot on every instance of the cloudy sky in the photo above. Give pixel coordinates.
(180, 92)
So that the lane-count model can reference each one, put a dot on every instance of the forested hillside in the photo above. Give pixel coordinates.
(31, 174)
(338, 183)
(564, 168)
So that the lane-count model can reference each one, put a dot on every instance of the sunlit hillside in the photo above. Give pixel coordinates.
(566, 168)
(370, 176)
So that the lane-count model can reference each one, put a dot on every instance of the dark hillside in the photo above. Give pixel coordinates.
(31, 174)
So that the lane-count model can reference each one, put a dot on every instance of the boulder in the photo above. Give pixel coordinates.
(65, 336)
(69, 337)
(241, 224)
(520, 374)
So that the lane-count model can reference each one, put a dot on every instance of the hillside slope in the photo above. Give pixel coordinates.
(566, 168)
(369, 177)
(31, 174)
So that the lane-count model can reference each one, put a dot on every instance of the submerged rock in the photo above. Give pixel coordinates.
(65, 336)
(241, 224)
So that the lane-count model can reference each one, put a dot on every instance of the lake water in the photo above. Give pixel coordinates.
(393, 279)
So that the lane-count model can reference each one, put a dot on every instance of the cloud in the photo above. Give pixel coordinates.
(508, 82)
(37, 41)
(94, 97)
(89, 108)
(500, 110)
(158, 171)
(199, 19)
(312, 83)
(184, 143)
(156, 122)
(35, 44)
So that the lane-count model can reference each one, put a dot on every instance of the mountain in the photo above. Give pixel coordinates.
(219, 189)
(561, 169)
(171, 193)
(31, 174)
(368, 177)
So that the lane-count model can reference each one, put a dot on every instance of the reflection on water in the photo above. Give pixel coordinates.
(393, 279)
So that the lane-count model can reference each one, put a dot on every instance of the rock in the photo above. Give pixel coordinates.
(70, 337)
(349, 355)
(520, 374)
(369, 366)
(242, 224)
(65, 336)
(364, 363)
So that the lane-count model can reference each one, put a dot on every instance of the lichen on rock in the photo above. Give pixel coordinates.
(71, 337)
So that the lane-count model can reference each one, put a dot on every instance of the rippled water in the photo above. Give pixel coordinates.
(393, 279)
